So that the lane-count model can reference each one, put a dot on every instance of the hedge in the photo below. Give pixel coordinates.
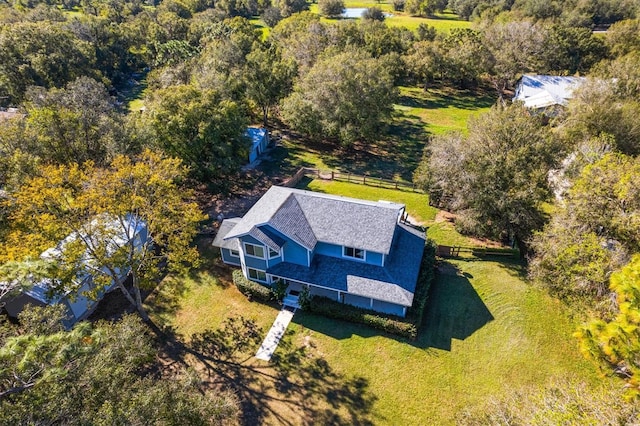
(425, 279)
(334, 309)
(251, 289)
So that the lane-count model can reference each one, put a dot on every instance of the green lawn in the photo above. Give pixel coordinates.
(442, 109)
(486, 333)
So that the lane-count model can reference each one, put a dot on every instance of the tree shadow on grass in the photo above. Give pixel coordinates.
(296, 387)
(454, 310)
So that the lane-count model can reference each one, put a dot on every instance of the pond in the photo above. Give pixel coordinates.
(356, 12)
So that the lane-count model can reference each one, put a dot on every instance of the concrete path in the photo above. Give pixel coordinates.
(275, 334)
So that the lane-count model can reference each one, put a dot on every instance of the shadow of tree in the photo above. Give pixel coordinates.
(454, 310)
(296, 387)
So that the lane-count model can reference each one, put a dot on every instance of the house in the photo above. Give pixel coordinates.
(353, 251)
(78, 305)
(544, 91)
(259, 140)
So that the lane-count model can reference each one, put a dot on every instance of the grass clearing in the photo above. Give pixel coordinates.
(486, 333)
(442, 109)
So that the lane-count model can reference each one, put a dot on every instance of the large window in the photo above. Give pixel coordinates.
(353, 252)
(253, 250)
(257, 275)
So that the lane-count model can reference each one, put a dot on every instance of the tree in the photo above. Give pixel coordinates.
(331, 8)
(43, 54)
(102, 210)
(591, 234)
(51, 376)
(77, 123)
(268, 78)
(373, 14)
(624, 37)
(496, 177)
(615, 344)
(301, 37)
(516, 47)
(201, 128)
(271, 16)
(290, 7)
(597, 108)
(347, 97)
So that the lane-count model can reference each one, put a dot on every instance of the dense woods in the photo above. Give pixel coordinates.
(564, 188)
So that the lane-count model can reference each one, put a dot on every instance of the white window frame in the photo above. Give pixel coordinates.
(246, 251)
(232, 251)
(257, 271)
(269, 249)
(345, 255)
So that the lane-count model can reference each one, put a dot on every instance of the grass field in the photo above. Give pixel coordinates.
(418, 114)
(486, 333)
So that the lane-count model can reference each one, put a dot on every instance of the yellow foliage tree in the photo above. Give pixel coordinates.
(98, 213)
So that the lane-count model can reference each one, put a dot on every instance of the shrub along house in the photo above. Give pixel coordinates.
(353, 251)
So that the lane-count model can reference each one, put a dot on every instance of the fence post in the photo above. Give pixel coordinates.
(331, 174)
(364, 180)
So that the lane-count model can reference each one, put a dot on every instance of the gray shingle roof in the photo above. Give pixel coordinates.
(225, 227)
(309, 217)
(394, 283)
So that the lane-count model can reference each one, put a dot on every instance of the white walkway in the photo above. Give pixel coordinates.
(275, 334)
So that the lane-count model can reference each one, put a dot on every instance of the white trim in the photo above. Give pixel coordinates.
(345, 256)
(231, 251)
(308, 258)
(257, 279)
(269, 250)
(254, 245)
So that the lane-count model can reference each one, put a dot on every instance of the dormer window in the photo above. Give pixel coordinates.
(254, 251)
(354, 253)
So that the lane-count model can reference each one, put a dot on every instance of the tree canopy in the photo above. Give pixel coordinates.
(347, 96)
(101, 210)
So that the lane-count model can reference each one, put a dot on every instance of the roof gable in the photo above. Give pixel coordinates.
(308, 217)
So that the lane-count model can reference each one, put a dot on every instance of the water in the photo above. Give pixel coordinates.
(356, 12)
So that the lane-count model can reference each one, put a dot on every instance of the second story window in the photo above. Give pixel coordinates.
(253, 250)
(353, 252)
(273, 253)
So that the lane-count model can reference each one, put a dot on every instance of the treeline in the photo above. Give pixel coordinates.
(209, 74)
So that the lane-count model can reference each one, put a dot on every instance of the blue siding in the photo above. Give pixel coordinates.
(254, 263)
(336, 251)
(317, 291)
(328, 249)
(293, 252)
(387, 308)
(250, 261)
(359, 301)
(374, 258)
(227, 258)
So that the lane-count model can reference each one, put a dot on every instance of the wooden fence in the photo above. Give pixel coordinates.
(350, 177)
(454, 251)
